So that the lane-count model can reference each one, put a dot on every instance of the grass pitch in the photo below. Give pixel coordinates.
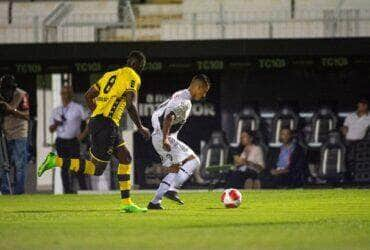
(279, 219)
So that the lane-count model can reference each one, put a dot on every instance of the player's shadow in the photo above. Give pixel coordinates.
(61, 211)
(246, 224)
(222, 208)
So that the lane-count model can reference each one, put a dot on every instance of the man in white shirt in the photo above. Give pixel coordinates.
(354, 129)
(167, 121)
(66, 121)
(357, 123)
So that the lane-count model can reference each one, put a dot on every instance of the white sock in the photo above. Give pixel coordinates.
(163, 187)
(174, 181)
(184, 173)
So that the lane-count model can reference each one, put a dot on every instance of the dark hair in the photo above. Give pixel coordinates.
(291, 132)
(252, 134)
(363, 101)
(8, 81)
(287, 128)
(203, 78)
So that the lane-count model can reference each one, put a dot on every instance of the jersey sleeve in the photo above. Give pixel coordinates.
(132, 82)
(98, 85)
(176, 107)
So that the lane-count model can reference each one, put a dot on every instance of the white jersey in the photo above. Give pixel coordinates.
(180, 105)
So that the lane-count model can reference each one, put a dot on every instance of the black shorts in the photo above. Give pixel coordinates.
(251, 174)
(105, 137)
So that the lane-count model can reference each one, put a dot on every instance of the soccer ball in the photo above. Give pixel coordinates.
(231, 198)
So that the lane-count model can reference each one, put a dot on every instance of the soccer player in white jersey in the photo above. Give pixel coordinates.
(167, 121)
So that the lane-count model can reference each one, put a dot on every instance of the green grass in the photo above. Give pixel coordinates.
(284, 219)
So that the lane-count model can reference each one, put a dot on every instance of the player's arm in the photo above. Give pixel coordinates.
(280, 171)
(344, 129)
(25, 115)
(54, 123)
(134, 114)
(167, 123)
(23, 103)
(84, 133)
(90, 96)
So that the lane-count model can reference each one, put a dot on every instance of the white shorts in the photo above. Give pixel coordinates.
(179, 150)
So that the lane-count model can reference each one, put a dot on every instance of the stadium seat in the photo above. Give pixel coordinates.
(246, 119)
(214, 156)
(323, 121)
(215, 152)
(332, 163)
(285, 117)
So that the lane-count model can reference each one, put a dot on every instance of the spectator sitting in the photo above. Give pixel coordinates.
(290, 162)
(357, 123)
(248, 164)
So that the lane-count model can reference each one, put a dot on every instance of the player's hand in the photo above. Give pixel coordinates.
(166, 145)
(57, 123)
(80, 137)
(173, 169)
(145, 133)
(7, 106)
(238, 160)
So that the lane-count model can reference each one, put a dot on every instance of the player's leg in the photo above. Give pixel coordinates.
(163, 188)
(190, 164)
(124, 174)
(77, 165)
(257, 184)
(102, 142)
(166, 158)
(180, 153)
(95, 166)
(173, 181)
(183, 154)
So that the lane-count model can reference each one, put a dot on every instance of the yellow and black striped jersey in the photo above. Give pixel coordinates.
(111, 102)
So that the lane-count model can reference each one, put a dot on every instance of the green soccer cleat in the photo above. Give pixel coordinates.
(133, 208)
(48, 163)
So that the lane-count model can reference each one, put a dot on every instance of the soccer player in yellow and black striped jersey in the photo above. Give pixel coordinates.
(114, 93)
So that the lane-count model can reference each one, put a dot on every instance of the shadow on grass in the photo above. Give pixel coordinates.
(245, 224)
(223, 208)
(61, 211)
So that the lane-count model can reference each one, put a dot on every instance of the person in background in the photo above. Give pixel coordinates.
(290, 165)
(15, 102)
(357, 123)
(108, 99)
(66, 121)
(248, 164)
(354, 129)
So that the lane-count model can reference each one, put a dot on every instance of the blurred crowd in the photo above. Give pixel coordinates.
(288, 165)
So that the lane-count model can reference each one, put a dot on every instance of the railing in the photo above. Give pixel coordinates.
(244, 24)
(23, 29)
(53, 20)
(223, 24)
